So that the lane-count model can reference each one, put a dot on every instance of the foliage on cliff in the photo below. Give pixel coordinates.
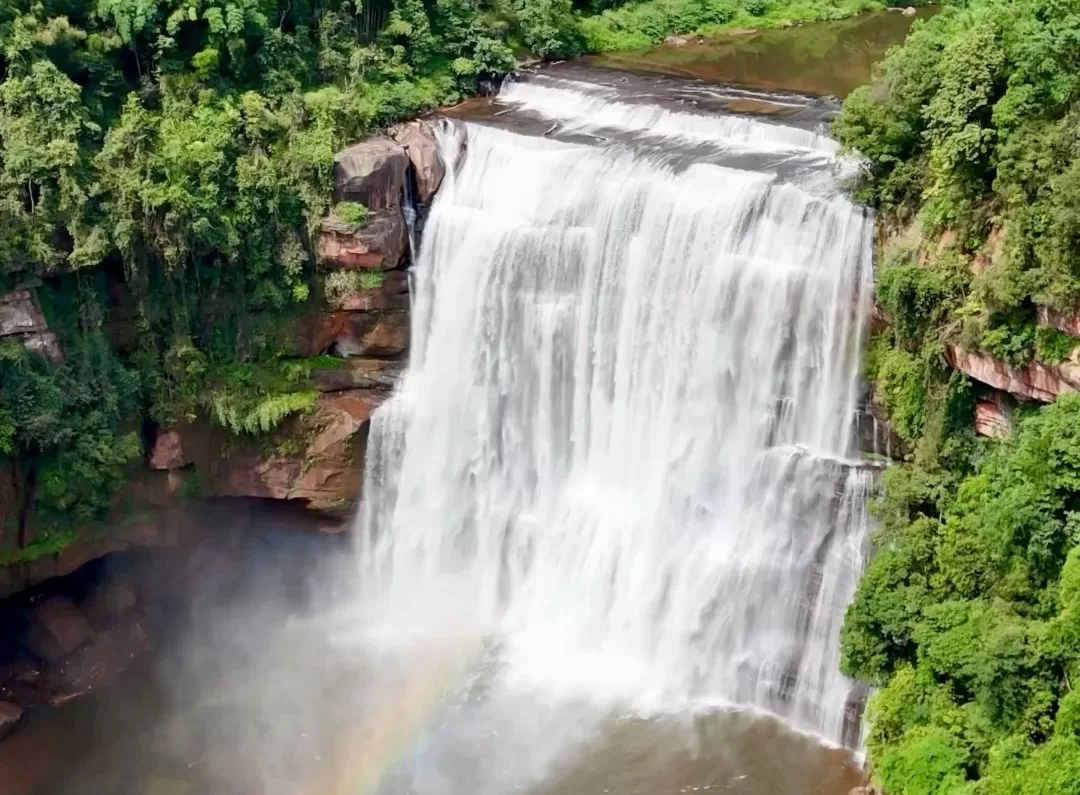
(967, 616)
(970, 129)
(163, 166)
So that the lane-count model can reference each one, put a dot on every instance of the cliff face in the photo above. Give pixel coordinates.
(358, 325)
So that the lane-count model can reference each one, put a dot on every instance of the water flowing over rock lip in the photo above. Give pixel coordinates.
(477, 167)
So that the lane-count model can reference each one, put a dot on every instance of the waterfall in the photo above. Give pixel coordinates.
(623, 452)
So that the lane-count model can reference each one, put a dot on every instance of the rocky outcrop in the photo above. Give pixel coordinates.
(418, 139)
(993, 416)
(347, 334)
(358, 373)
(168, 451)
(393, 293)
(22, 320)
(57, 629)
(1065, 322)
(379, 244)
(326, 471)
(1036, 381)
(371, 172)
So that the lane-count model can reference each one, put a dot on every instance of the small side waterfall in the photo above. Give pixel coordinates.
(624, 448)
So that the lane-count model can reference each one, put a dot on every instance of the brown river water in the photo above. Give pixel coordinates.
(256, 686)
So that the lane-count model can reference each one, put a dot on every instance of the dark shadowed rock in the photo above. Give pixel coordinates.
(379, 244)
(108, 602)
(96, 664)
(9, 716)
(57, 628)
(418, 138)
(371, 172)
(168, 451)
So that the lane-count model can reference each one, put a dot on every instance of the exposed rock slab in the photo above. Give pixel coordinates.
(168, 451)
(379, 244)
(992, 417)
(1065, 322)
(10, 714)
(58, 628)
(358, 373)
(381, 334)
(96, 664)
(1036, 381)
(418, 139)
(393, 293)
(21, 318)
(371, 172)
(327, 470)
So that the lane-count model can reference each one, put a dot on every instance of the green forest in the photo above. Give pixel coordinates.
(968, 616)
(170, 161)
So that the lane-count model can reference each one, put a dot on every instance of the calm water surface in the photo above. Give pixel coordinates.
(821, 58)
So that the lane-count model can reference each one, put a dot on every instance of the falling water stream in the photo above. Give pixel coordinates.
(621, 462)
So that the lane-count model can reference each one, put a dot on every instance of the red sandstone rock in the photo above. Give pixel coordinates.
(330, 467)
(418, 138)
(57, 628)
(168, 451)
(379, 244)
(1065, 322)
(393, 293)
(9, 716)
(380, 334)
(1036, 381)
(992, 418)
(371, 172)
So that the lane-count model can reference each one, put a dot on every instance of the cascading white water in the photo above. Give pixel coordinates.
(623, 447)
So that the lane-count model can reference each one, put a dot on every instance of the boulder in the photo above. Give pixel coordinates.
(379, 244)
(418, 139)
(9, 716)
(378, 334)
(992, 417)
(107, 603)
(96, 664)
(371, 172)
(393, 293)
(20, 315)
(21, 318)
(168, 451)
(1065, 322)
(1036, 381)
(358, 373)
(57, 628)
(327, 469)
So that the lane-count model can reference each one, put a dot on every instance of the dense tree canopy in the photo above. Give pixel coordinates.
(967, 616)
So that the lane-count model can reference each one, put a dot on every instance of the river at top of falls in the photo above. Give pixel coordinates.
(621, 462)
